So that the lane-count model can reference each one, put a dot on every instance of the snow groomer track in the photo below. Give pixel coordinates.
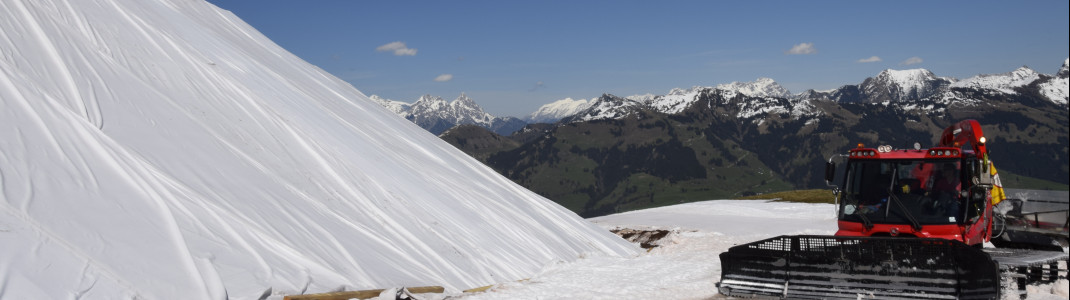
(825, 267)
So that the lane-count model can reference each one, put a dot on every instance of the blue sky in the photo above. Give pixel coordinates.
(513, 56)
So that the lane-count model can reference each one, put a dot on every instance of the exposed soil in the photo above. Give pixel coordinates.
(647, 239)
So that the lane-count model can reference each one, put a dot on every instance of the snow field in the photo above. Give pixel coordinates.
(686, 265)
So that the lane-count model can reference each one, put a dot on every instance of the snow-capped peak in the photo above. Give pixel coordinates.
(397, 107)
(463, 100)
(464, 108)
(1064, 71)
(692, 90)
(898, 85)
(437, 115)
(607, 107)
(1058, 89)
(1004, 83)
(558, 110)
(913, 78)
(435, 105)
(429, 101)
(762, 87)
(644, 98)
(429, 110)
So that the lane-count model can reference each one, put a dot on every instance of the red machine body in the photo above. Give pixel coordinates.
(911, 226)
(891, 192)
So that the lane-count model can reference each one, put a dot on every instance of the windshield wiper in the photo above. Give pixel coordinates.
(892, 198)
(865, 220)
(913, 221)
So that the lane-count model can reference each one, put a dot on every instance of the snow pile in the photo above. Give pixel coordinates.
(1059, 290)
(165, 149)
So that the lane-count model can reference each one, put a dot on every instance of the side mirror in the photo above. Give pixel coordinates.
(830, 171)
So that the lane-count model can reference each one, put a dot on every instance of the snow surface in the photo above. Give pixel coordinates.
(166, 149)
(686, 265)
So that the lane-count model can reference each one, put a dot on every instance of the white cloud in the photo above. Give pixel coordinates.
(399, 49)
(911, 61)
(444, 77)
(804, 48)
(870, 59)
(538, 85)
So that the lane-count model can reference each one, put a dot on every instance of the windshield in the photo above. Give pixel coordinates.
(929, 191)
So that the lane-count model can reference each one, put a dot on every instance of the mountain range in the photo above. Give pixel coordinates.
(615, 153)
(889, 86)
(437, 115)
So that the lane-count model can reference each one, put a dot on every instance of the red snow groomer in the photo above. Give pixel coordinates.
(911, 225)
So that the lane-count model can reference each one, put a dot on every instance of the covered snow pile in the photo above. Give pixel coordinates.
(165, 149)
